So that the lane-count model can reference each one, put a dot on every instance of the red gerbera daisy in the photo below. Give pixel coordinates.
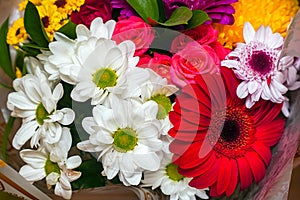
(217, 140)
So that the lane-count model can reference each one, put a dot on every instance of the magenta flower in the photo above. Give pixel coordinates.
(126, 9)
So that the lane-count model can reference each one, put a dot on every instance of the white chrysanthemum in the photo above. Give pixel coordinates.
(256, 63)
(51, 162)
(291, 72)
(158, 90)
(35, 102)
(126, 137)
(66, 56)
(171, 182)
(109, 71)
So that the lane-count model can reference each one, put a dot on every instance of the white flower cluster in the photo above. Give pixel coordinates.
(129, 123)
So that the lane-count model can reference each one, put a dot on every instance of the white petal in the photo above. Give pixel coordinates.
(249, 102)
(110, 24)
(88, 123)
(52, 178)
(59, 191)
(25, 132)
(58, 92)
(266, 94)
(87, 146)
(19, 99)
(82, 32)
(135, 179)
(252, 86)
(275, 41)
(242, 90)
(260, 34)
(52, 132)
(148, 161)
(73, 162)
(68, 116)
(248, 32)
(31, 174)
(35, 159)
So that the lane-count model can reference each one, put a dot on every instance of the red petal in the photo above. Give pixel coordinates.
(198, 167)
(263, 151)
(234, 178)
(257, 166)
(270, 133)
(264, 111)
(245, 173)
(207, 179)
(230, 81)
(224, 175)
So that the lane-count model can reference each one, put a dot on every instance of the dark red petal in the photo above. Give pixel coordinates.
(257, 166)
(263, 151)
(213, 191)
(264, 112)
(234, 178)
(207, 179)
(224, 175)
(245, 173)
(270, 133)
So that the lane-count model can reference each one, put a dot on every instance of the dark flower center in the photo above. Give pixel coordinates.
(46, 21)
(60, 3)
(230, 131)
(261, 62)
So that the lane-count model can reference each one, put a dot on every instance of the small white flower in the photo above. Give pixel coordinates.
(109, 70)
(66, 56)
(51, 162)
(291, 72)
(126, 137)
(256, 63)
(35, 102)
(171, 182)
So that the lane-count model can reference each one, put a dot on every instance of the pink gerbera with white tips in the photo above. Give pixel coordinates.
(256, 63)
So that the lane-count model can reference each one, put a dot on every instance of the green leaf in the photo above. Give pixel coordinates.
(7, 131)
(90, 175)
(146, 9)
(162, 12)
(34, 26)
(5, 60)
(69, 29)
(34, 46)
(199, 17)
(29, 51)
(180, 16)
(2, 85)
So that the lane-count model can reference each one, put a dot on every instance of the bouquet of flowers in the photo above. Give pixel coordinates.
(189, 98)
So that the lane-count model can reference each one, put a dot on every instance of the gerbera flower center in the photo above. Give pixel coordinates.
(261, 62)
(230, 131)
(164, 105)
(51, 167)
(41, 114)
(125, 139)
(172, 172)
(105, 77)
(237, 132)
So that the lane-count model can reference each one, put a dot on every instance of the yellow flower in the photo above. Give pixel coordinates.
(18, 73)
(275, 13)
(51, 19)
(22, 4)
(16, 33)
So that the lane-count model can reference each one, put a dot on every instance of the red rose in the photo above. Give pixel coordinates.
(203, 34)
(90, 10)
(190, 61)
(136, 30)
(160, 63)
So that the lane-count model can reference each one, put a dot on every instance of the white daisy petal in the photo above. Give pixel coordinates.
(248, 32)
(36, 159)
(73, 162)
(68, 116)
(252, 87)
(25, 132)
(242, 90)
(31, 174)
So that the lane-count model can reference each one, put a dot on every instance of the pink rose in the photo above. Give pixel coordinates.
(190, 61)
(160, 63)
(92, 9)
(203, 34)
(136, 30)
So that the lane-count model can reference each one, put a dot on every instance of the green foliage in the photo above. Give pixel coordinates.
(34, 26)
(91, 175)
(180, 16)
(69, 29)
(198, 18)
(5, 60)
(146, 9)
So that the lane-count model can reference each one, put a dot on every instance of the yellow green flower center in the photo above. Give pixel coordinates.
(172, 172)
(51, 167)
(164, 105)
(41, 114)
(125, 139)
(105, 77)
